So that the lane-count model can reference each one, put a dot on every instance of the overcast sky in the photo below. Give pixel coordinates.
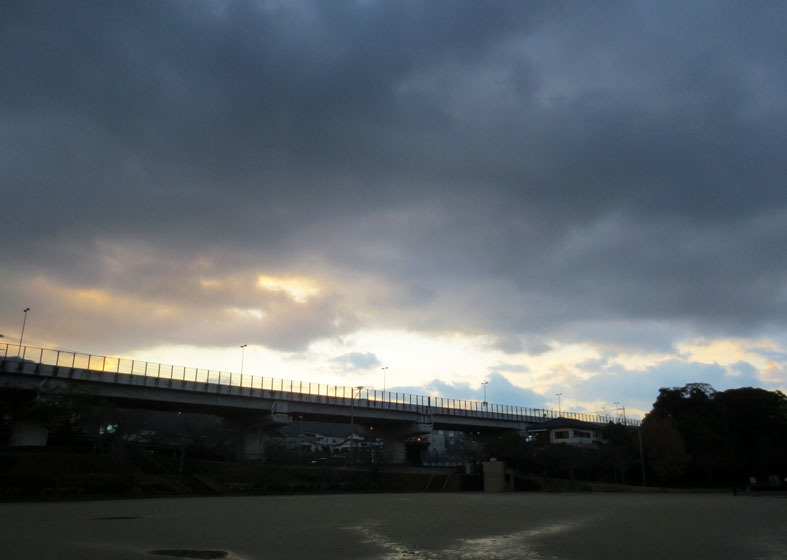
(585, 198)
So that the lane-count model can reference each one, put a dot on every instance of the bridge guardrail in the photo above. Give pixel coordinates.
(371, 398)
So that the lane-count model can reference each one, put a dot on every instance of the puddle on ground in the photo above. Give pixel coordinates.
(495, 547)
(192, 553)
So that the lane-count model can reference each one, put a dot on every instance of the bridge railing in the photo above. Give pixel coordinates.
(370, 398)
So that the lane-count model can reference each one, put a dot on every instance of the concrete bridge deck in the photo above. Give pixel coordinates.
(183, 387)
(257, 403)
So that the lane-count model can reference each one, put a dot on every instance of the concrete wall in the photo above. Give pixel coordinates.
(496, 477)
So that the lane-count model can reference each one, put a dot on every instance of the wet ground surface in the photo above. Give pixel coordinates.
(465, 526)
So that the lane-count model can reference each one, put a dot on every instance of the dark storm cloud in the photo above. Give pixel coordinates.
(530, 171)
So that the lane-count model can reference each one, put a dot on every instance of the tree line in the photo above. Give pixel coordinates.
(693, 436)
(699, 436)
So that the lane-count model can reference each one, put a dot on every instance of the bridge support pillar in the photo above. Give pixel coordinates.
(394, 440)
(251, 444)
(27, 433)
(253, 433)
(394, 450)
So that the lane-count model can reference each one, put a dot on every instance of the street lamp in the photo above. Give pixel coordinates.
(24, 322)
(484, 384)
(384, 368)
(242, 355)
(558, 395)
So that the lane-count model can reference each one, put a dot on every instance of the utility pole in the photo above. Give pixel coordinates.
(641, 455)
(484, 384)
(558, 395)
(622, 409)
(384, 368)
(242, 356)
(352, 421)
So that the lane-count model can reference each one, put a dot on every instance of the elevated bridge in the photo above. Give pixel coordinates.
(255, 401)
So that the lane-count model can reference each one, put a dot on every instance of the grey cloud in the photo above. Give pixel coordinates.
(639, 388)
(530, 172)
(770, 353)
(514, 368)
(594, 365)
(499, 390)
(357, 360)
(515, 344)
(745, 375)
(140, 298)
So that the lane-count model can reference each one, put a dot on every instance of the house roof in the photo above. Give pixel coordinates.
(563, 423)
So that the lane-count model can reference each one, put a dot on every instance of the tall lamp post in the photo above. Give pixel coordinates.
(242, 356)
(384, 368)
(559, 411)
(24, 322)
(484, 384)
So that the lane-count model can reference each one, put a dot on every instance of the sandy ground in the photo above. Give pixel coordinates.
(402, 526)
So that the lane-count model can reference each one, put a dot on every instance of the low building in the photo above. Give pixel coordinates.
(566, 430)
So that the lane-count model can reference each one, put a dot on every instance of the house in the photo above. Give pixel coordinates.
(325, 438)
(566, 430)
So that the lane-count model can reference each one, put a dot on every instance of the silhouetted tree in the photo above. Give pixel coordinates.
(512, 448)
(757, 430)
(66, 412)
(563, 459)
(725, 436)
(619, 451)
(71, 412)
(666, 454)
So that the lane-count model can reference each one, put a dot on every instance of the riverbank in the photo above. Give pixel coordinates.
(459, 526)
